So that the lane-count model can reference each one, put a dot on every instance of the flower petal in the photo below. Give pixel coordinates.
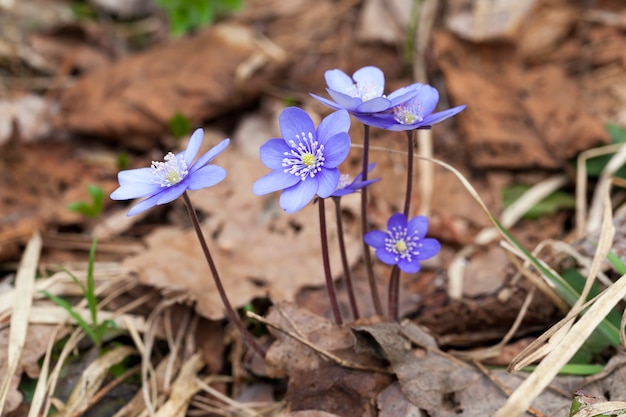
(325, 101)
(209, 155)
(427, 97)
(143, 205)
(375, 238)
(344, 101)
(171, 193)
(370, 75)
(379, 120)
(410, 267)
(135, 190)
(273, 152)
(338, 80)
(374, 105)
(442, 115)
(193, 146)
(397, 220)
(293, 122)
(386, 256)
(327, 180)
(129, 176)
(274, 181)
(405, 93)
(205, 177)
(430, 247)
(332, 124)
(336, 150)
(419, 225)
(295, 198)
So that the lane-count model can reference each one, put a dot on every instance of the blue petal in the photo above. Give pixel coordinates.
(370, 75)
(295, 198)
(397, 220)
(427, 97)
(171, 193)
(343, 100)
(193, 146)
(293, 122)
(442, 115)
(205, 177)
(430, 247)
(386, 256)
(209, 155)
(418, 224)
(327, 102)
(374, 105)
(336, 150)
(129, 176)
(273, 152)
(380, 120)
(404, 93)
(376, 238)
(332, 124)
(338, 80)
(143, 205)
(327, 180)
(274, 181)
(135, 190)
(411, 267)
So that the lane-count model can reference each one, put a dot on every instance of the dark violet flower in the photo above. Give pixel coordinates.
(166, 181)
(304, 162)
(346, 187)
(363, 93)
(403, 244)
(415, 113)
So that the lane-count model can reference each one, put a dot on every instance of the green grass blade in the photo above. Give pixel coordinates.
(90, 293)
(77, 317)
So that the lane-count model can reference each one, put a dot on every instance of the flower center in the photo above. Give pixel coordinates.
(408, 113)
(366, 90)
(305, 158)
(401, 244)
(171, 171)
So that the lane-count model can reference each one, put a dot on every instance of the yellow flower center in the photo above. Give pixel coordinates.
(401, 246)
(308, 159)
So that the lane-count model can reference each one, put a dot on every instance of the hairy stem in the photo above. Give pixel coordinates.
(344, 259)
(232, 314)
(330, 286)
(394, 287)
(367, 257)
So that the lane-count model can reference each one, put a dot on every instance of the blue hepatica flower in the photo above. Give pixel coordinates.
(304, 162)
(363, 93)
(403, 244)
(415, 113)
(166, 181)
(346, 187)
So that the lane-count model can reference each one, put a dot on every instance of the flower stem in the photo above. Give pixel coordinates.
(232, 314)
(394, 287)
(367, 257)
(330, 286)
(394, 280)
(409, 173)
(344, 259)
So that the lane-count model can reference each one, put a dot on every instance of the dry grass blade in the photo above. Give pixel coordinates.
(22, 303)
(183, 389)
(601, 409)
(91, 380)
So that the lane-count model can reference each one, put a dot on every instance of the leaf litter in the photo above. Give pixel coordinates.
(232, 219)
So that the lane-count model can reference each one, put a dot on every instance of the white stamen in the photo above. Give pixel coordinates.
(344, 181)
(366, 90)
(171, 171)
(306, 157)
(401, 244)
(409, 113)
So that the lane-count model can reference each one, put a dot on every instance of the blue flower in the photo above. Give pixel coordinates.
(415, 113)
(346, 187)
(403, 244)
(363, 93)
(166, 181)
(304, 162)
